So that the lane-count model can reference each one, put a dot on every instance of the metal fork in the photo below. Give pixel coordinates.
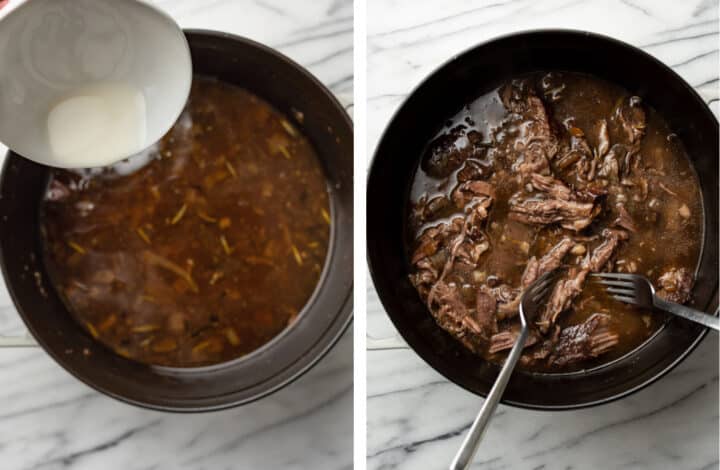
(531, 301)
(638, 290)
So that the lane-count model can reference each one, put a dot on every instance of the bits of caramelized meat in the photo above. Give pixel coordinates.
(675, 285)
(574, 172)
(591, 338)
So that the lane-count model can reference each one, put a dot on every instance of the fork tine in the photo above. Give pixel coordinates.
(616, 276)
(537, 297)
(613, 283)
(540, 284)
(543, 284)
(541, 287)
(615, 290)
(625, 298)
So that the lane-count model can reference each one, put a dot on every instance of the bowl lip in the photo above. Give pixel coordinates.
(333, 333)
(533, 33)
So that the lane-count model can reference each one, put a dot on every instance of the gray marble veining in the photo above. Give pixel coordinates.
(416, 418)
(49, 420)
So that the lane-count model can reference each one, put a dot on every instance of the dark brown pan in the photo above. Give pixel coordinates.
(288, 87)
(441, 95)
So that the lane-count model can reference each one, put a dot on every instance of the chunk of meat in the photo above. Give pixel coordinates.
(564, 292)
(556, 203)
(624, 220)
(571, 215)
(447, 153)
(545, 348)
(552, 187)
(552, 259)
(602, 254)
(533, 159)
(424, 277)
(485, 308)
(603, 139)
(476, 222)
(463, 241)
(589, 339)
(452, 315)
(450, 312)
(535, 144)
(465, 192)
(505, 293)
(434, 238)
(630, 115)
(567, 289)
(469, 252)
(506, 340)
(612, 164)
(428, 210)
(576, 150)
(473, 170)
(533, 270)
(675, 285)
(428, 245)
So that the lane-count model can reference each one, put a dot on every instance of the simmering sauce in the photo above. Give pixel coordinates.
(201, 249)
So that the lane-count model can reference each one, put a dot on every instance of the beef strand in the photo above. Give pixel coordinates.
(556, 203)
(533, 270)
(568, 288)
(675, 285)
(589, 339)
(536, 144)
(506, 340)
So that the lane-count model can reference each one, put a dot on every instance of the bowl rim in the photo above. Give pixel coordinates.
(431, 360)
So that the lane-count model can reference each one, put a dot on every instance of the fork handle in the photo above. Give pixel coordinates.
(711, 321)
(464, 457)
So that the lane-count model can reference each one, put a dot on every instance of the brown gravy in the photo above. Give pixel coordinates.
(552, 160)
(201, 249)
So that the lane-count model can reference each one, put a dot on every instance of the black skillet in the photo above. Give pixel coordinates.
(289, 88)
(440, 96)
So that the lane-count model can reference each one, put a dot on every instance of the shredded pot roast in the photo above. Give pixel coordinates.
(552, 169)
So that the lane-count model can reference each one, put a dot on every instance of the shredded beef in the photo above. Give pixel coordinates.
(630, 117)
(535, 144)
(450, 312)
(448, 152)
(485, 308)
(506, 340)
(571, 215)
(473, 170)
(675, 285)
(472, 189)
(555, 202)
(567, 289)
(584, 341)
(542, 187)
(533, 270)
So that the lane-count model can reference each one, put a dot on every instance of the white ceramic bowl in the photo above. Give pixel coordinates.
(48, 48)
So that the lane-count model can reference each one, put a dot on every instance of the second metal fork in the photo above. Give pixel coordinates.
(638, 290)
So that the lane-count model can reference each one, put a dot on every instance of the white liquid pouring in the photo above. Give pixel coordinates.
(97, 125)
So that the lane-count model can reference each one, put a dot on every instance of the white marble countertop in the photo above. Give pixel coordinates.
(416, 418)
(49, 420)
